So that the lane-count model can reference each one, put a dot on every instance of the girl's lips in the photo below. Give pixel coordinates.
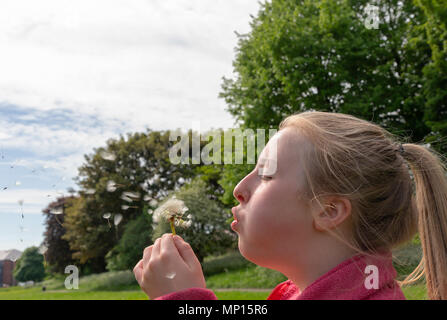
(234, 224)
(233, 210)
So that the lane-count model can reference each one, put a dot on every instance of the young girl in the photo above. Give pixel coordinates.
(329, 199)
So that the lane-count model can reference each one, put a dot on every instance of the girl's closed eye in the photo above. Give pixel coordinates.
(265, 177)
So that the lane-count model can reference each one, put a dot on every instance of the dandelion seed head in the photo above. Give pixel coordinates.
(173, 208)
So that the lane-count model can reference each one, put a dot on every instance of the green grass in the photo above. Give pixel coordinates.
(38, 294)
(411, 293)
(415, 292)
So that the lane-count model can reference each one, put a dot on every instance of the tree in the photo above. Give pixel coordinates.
(129, 250)
(319, 55)
(304, 55)
(435, 72)
(30, 266)
(88, 234)
(209, 233)
(140, 165)
(58, 254)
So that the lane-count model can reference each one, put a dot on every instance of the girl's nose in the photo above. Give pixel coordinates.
(239, 194)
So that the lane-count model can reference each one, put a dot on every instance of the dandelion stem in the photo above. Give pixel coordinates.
(171, 222)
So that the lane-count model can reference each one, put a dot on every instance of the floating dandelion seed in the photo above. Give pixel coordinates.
(108, 156)
(123, 197)
(172, 211)
(90, 191)
(107, 216)
(147, 198)
(42, 249)
(124, 207)
(18, 183)
(132, 195)
(111, 186)
(117, 219)
(150, 211)
(153, 202)
(57, 211)
(21, 208)
(170, 275)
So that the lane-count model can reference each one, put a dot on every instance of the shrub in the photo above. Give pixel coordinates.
(230, 261)
(30, 266)
(129, 250)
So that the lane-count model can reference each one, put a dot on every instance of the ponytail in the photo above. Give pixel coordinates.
(430, 180)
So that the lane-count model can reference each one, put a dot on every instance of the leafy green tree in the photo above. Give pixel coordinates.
(129, 250)
(435, 72)
(210, 232)
(319, 55)
(139, 165)
(58, 254)
(88, 234)
(30, 266)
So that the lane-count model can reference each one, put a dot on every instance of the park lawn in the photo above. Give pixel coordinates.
(417, 292)
(38, 294)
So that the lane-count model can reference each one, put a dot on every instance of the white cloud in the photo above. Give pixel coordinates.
(34, 200)
(148, 63)
(111, 66)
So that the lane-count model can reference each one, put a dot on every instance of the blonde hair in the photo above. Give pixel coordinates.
(360, 160)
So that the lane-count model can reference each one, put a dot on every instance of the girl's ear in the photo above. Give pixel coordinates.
(337, 210)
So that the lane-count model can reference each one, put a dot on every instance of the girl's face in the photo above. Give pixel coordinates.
(273, 223)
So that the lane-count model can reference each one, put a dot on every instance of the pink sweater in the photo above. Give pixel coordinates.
(344, 282)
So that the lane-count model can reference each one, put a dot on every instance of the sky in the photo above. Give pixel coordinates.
(74, 74)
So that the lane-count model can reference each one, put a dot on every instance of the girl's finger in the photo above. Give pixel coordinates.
(138, 271)
(186, 252)
(147, 255)
(167, 246)
(156, 249)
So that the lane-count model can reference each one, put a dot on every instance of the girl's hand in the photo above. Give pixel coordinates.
(167, 266)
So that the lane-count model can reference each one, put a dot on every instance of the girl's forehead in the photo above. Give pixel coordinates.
(282, 150)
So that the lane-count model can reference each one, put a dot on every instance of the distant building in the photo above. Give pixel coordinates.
(8, 260)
